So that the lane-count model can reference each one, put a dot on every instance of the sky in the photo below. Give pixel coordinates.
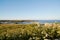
(29, 9)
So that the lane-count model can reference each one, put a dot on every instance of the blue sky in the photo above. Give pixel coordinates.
(29, 9)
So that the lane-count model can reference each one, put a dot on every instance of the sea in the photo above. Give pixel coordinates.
(43, 21)
(47, 21)
(31, 21)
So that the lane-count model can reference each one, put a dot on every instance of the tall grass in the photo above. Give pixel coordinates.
(29, 31)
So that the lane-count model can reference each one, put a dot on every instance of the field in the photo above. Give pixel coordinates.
(29, 31)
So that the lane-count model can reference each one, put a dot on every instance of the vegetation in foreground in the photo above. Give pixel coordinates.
(29, 31)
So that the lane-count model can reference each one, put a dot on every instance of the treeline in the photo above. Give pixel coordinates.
(15, 21)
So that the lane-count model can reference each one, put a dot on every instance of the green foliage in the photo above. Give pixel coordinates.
(28, 32)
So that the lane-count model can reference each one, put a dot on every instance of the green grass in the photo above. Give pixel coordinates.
(28, 32)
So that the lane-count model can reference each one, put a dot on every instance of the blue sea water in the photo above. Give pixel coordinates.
(47, 21)
(29, 22)
(41, 21)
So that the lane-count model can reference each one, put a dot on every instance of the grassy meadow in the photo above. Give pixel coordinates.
(29, 31)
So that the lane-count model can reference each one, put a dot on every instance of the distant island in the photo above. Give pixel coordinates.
(14, 21)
